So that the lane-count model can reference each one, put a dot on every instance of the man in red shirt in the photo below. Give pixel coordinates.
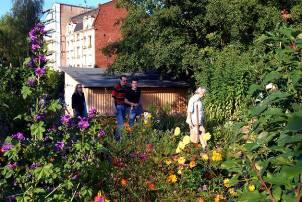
(119, 106)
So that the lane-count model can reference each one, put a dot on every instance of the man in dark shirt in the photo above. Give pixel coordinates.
(119, 106)
(133, 100)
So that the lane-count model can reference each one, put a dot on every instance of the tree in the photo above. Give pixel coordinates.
(171, 35)
(14, 28)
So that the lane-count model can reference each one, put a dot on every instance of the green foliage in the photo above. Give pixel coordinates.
(270, 143)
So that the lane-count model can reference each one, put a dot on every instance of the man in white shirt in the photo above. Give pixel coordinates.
(196, 117)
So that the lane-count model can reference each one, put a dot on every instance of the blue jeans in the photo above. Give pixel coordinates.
(120, 117)
(135, 111)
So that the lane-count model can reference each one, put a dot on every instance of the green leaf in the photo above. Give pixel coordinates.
(232, 165)
(251, 197)
(272, 76)
(37, 130)
(258, 110)
(54, 106)
(277, 193)
(26, 91)
(295, 122)
(289, 139)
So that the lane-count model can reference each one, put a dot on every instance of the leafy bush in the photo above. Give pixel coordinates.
(268, 162)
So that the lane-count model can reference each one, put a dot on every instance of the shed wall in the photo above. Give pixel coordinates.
(101, 99)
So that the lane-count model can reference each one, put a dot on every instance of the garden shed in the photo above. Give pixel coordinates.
(98, 87)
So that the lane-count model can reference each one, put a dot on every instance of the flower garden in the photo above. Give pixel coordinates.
(256, 157)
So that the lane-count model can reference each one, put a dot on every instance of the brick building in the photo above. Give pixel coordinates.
(89, 32)
(55, 21)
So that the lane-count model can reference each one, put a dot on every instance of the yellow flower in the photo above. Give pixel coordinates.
(172, 178)
(192, 164)
(178, 150)
(204, 157)
(217, 198)
(181, 145)
(251, 188)
(233, 192)
(226, 182)
(168, 161)
(179, 172)
(181, 160)
(206, 136)
(216, 156)
(149, 116)
(177, 131)
(186, 140)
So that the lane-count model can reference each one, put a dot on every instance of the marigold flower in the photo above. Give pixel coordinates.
(233, 192)
(181, 160)
(177, 131)
(251, 187)
(124, 182)
(172, 178)
(186, 140)
(192, 164)
(181, 145)
(178, 150)
(206, 136)
(179, 172)
(216, 156)
(217, 198)
(226, 182)
(168, 161)
(204, 157)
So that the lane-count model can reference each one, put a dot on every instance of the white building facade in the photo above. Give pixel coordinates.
(80, 40)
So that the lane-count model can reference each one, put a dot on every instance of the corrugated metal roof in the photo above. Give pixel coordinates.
(96, 77)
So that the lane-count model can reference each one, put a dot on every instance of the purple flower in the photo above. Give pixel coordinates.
(6, 147)
(40, 28)
(143, 156)
(11, 198)
(31, 63)
(65, 120)
(83, 123)
(18, 136)
(92, 113)
(34, 166)
(59, 146)
(101, 133)
(12, 165)
(35, 47)
(41, 59)
(39, 71)
(31, 82)
(32, 35)
(40, 116)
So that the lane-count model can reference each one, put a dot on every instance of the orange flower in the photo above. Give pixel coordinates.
(151, 186)
(192, 164)
(124, 182)
(200, 199)
(149, 148)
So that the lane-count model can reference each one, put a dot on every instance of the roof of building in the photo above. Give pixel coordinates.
(97, 77)
(78, 27)
(79, 18)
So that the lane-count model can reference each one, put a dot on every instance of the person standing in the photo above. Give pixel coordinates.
(78, 102)
(119, 106)
(133, 101)
(196, 117)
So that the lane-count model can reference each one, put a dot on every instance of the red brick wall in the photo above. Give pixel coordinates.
(107, 30)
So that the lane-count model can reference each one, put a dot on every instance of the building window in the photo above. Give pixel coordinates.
(89, 41)
(84, 42)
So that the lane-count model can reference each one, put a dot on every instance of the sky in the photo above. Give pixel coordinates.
(6, 5)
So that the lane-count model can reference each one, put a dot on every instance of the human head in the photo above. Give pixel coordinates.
(78, 88)
(123, 80)
(134, 83)
(201, 91)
